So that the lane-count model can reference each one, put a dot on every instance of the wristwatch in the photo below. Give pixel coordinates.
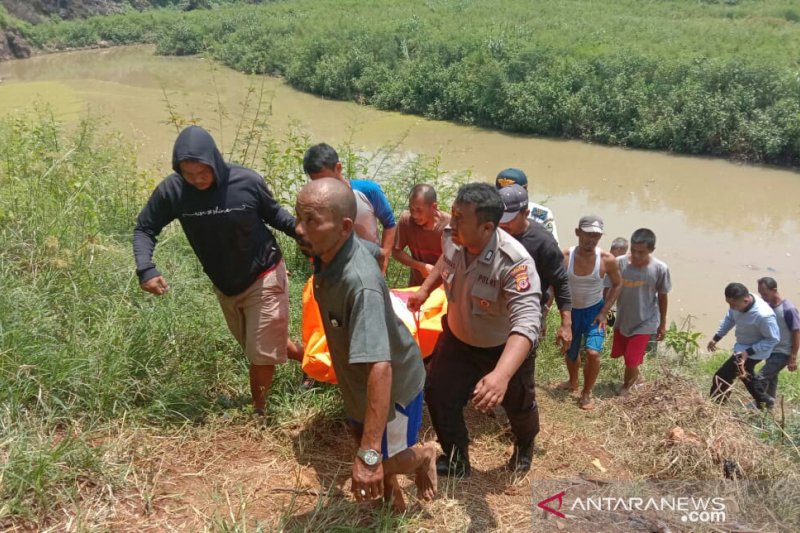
(370, 457)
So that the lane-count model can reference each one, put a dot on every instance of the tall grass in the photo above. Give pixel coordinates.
(83, 348)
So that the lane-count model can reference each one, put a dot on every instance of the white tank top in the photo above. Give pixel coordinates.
(585, 291)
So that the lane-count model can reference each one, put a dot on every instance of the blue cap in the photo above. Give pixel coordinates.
(511, 176)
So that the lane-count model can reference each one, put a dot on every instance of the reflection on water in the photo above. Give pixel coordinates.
(716, 221)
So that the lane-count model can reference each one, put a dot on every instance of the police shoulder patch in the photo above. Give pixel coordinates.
(519, 269)
(523, 284)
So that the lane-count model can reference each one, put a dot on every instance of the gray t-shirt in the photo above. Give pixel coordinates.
(637, 305)
(788, 321)
(361, 327)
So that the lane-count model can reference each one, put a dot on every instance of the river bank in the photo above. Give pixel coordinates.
(716, 221)
(712, 78)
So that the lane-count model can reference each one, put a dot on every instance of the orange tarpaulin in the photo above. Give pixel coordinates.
(317, 360)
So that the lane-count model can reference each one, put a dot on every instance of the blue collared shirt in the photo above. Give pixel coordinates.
(757, 330)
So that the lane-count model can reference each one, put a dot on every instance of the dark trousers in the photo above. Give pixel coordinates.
(769, 372)
(454, 371)
(727, 373)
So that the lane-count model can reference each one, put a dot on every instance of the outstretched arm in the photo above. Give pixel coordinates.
(273, 213)
(155, 215)
(432, 282)
(725, 326)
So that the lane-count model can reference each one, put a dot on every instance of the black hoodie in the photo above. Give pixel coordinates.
(225, 224)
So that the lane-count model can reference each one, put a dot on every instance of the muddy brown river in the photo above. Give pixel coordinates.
(716, 221)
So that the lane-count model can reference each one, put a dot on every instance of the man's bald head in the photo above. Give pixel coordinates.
(326, 211)
(329, 194)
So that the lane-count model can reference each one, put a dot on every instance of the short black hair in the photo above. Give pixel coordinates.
(619, 242)
(644, 236)
(427, 192)
(768, 282)
(736, 291)
(487, 201)
(318, 157)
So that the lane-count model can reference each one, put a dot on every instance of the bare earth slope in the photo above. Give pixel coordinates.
(240, 473)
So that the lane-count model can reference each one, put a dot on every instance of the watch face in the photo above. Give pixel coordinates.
(370, 457)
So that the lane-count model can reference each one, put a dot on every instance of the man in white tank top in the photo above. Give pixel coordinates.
(587, 266)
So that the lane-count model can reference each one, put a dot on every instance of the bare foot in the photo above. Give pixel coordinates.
(425, 476)
(567, 386)
(624, 391)
(586, 402)
(392, 493)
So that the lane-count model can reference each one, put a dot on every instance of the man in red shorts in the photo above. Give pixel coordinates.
(641, 306)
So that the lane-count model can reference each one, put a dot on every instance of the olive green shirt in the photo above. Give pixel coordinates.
(361, 327)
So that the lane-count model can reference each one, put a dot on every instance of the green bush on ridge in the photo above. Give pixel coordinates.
(698, 78)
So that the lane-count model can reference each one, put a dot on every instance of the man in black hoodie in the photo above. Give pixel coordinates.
(224, 210)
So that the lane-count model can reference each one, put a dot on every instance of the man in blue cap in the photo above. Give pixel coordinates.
(546, 254)
(538, 213)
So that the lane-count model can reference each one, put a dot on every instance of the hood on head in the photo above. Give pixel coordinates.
(196, 144)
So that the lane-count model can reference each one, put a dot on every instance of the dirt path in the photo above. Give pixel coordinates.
(238, 474)
(298, 477)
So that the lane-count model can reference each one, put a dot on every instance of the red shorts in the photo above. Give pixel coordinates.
(633, 348)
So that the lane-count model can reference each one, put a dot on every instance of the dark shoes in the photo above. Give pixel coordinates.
(454, 464)
(457, 464)
(521, 459)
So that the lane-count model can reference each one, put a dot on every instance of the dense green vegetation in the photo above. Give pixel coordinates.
(700, 77)
(7, 21)
(83, 350)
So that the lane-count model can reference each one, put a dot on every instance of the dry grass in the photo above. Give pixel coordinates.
(236, 474)
(668, 430)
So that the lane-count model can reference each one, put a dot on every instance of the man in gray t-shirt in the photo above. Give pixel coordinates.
(637, 305)
(784, 354)
(641, 306)
(377, 363)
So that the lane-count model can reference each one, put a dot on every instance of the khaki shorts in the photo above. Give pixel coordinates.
(259, 317)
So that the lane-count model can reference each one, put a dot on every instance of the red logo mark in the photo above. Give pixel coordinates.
(543, 504)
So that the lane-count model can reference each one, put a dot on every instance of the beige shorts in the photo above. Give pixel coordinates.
(259, 317)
